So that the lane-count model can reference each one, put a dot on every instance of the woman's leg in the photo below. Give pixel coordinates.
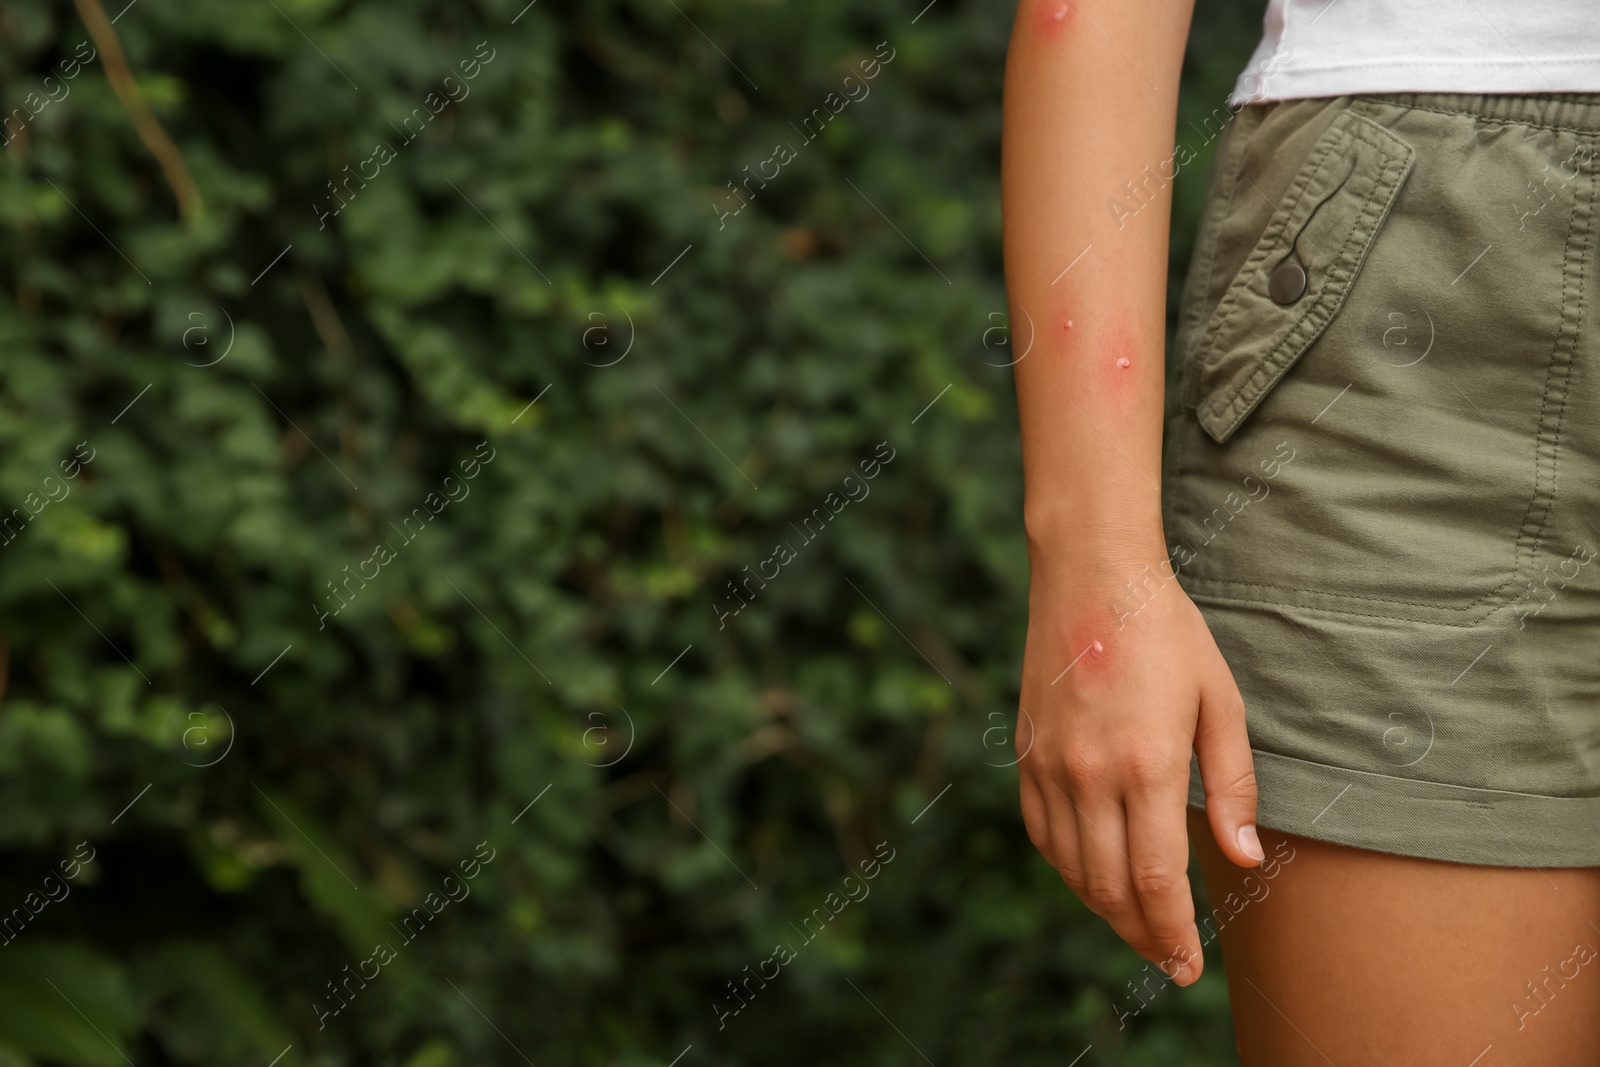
(1357, 958)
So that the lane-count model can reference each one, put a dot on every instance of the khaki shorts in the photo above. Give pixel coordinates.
(1382, 468)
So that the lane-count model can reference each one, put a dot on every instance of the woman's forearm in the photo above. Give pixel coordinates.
(1113, 709)
(1090, 108)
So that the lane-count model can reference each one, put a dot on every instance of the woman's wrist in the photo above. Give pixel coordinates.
(1091, 539)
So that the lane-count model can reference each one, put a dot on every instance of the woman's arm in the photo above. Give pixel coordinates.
(1117, 689)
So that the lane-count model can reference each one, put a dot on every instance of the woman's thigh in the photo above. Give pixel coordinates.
(1351, 957)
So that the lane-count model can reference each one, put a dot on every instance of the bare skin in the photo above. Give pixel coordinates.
(1116, 704)
(1354, 957)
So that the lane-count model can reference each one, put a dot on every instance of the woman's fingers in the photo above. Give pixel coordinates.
(1036, 818)
(1067, 854)
(1128, 859)
(1107, 878)
(1158, 855)
(1058, 833)
(1227, 767)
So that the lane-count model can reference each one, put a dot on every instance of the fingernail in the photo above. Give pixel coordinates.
(1250, 844)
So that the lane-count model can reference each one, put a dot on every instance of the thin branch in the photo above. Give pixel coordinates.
(145, 122)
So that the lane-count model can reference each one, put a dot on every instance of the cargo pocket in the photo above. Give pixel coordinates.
(1296, 278)
(1382, 442)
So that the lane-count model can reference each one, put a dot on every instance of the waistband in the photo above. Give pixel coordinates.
(1572, 111)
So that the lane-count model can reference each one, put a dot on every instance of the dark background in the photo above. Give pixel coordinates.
(266, 394)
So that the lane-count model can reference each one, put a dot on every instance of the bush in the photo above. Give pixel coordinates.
(405, 407)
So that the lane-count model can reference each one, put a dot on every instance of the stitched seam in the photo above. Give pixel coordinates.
(1188, 377)
(1273, 364)
(1547, 440)
(1561, 359)
(1585, 798)
(1542, 501)
(1206, 252)
(1315, 318)
(1270, 238)
(1348, 596)
(1197, 593)
(1487, 121)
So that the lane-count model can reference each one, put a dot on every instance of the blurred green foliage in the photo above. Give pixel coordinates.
(548, 661)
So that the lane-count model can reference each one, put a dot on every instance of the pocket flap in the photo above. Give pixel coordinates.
(1335, 206)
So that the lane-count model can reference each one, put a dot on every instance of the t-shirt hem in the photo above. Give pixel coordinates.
(1349, 79)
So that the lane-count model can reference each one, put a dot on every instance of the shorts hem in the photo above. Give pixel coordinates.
(1427, 820)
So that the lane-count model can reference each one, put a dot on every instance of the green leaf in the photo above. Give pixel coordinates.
(209, 1009)
(64, 1002)
(327, 875)
(433, 1054)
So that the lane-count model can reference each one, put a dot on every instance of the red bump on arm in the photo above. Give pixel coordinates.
(1117, 362)
(1085, 654)
(1103, 361)
(1062, 337)
(1052, 18)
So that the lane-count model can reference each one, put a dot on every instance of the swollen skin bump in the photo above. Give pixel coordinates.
(1053, 18)
(1086, 661)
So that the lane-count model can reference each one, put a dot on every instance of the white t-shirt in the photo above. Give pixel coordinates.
(1334, 47)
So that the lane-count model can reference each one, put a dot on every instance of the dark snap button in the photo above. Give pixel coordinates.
(1287, 283)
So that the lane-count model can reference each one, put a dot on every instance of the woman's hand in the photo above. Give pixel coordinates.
(1090, 116)
(1117, 697)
